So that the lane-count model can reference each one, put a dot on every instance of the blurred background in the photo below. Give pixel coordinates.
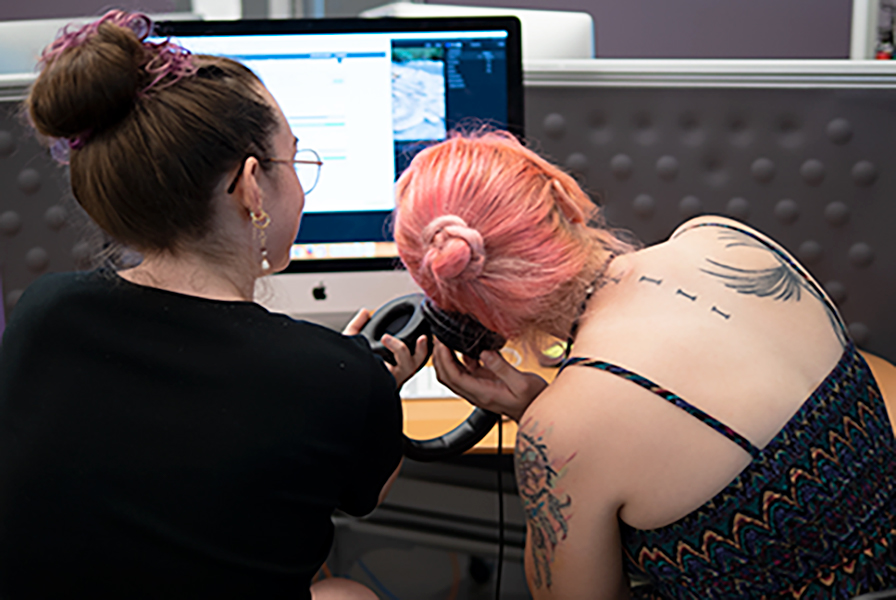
(623, 29)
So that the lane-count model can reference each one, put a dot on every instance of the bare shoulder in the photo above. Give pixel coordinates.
(724, 235)
(717, 220)
(735, 240)
(750, 263)
(570, 501)
(582, 417)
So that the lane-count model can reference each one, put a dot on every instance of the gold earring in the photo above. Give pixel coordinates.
(260, 221)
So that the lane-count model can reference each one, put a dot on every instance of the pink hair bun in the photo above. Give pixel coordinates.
(453, 248)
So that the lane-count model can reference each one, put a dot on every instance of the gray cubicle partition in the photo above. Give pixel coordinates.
(802, 150)
(36, 210)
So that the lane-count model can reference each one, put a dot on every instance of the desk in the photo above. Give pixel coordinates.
(425, 419)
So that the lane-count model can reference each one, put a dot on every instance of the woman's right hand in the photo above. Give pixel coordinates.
(490, 383)
(406, 363)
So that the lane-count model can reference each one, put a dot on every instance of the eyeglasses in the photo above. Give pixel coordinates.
(306, 163)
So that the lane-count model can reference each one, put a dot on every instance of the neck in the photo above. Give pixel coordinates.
(192, 275)
(601, 278)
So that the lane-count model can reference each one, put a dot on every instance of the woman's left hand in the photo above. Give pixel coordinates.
(406, 364)
(357, 323)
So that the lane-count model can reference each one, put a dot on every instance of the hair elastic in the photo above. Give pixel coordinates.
(170, 58)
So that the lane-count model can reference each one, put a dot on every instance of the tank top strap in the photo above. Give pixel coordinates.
(667, 396)
(798, 268)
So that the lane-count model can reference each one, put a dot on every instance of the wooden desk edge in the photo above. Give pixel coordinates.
(426, 419)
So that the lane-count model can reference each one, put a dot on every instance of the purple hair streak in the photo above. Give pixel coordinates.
(166, 62)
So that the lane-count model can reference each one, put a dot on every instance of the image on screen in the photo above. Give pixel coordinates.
(418, 93)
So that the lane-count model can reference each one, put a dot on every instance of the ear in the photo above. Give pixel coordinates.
(567, 205)
(248, 189)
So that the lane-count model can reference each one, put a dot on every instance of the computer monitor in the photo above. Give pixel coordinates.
(367, 95)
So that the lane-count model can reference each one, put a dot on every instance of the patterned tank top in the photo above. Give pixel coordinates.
(812, 516)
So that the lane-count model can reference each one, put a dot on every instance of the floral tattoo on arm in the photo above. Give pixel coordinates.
(538, 477)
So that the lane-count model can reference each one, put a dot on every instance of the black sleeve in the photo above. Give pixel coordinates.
(380, 445)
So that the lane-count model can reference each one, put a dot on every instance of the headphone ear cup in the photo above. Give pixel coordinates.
(462, 333)
(409, 317)
(401, 318)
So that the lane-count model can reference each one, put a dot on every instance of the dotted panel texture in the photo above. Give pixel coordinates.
(812, 168)
(36, 210)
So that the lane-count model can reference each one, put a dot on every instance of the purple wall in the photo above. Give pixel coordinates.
(708, 28)
(54, 9)
(625, 28)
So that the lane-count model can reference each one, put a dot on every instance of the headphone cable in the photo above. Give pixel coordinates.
(500, 512)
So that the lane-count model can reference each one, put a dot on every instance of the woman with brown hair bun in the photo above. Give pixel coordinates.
(161, 435)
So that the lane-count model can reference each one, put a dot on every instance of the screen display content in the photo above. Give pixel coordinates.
(367, 95)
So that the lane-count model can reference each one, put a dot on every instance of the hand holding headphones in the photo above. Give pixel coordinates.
(407, 319)
(404, 357)
(491, 383)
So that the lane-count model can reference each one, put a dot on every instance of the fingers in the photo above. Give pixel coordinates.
(497, 364)
(493, 385)
(421, 352)
(469, 362)
(448, 368)
(517, 382)
(398, 348)
(461, 380)
(405, 364)
(357, 323)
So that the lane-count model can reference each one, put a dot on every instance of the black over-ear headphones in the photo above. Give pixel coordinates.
(409, 317)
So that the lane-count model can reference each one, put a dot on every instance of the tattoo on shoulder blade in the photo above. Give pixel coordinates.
(737, 238)
(781, 282)
(538, 476)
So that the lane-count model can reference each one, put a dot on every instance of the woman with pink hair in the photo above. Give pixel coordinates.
(770, 471)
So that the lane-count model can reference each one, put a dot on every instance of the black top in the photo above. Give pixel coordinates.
(157, 445)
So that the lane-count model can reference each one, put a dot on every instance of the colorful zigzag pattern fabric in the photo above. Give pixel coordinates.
(813, 516)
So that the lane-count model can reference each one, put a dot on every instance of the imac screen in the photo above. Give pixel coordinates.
(367, 95)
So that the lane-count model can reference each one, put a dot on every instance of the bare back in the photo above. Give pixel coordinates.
(714, 315)
(725, 323)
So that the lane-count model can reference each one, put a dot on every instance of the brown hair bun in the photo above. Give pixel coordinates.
(91, 86)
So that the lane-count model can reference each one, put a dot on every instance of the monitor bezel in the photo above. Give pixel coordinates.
(510, 24)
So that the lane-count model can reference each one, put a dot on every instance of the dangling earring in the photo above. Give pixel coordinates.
(261, 220)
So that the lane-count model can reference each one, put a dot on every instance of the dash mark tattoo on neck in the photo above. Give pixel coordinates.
(681, 292)
(718, 312)
(649, 280)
